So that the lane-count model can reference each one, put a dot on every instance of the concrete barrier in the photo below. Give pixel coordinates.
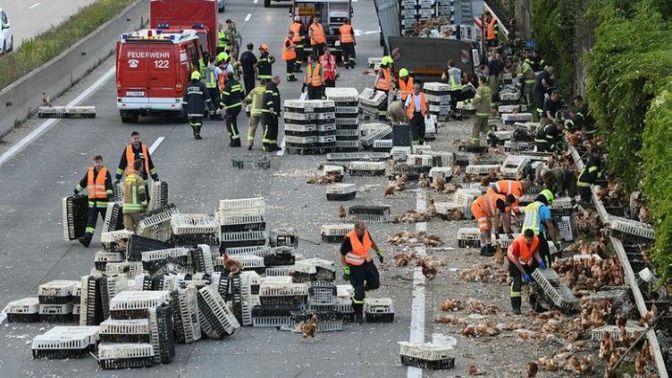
(22, 98)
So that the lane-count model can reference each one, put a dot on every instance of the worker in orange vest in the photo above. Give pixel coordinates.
(416, 111)
(289, 55)
(405, 84)
(313, 80)
(136, 150)
(524, 258)
(98, 183)
(358, 266)
(383, 83)
(328, 63)
(318, 39)
(517, 188)
(490, 30)
(347, 38)
(486, 207)
(299, 31)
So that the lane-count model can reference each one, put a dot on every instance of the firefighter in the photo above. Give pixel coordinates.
(289, 55)
(329, 73)
(135, 196)
(583, 119)
(551, 110)
(247, 62)
(232, 102)
(299, 31)
(271, 112)
(416, 111)
(236, 40)
(197, 101)
(559, 181)
(538, 219)
(490, 30)
(550, 137)
(265, 63)
(405, 84)
(211, 79)
(98, 183)
(313, 80)
(526, 78)
(542, 85)
(482, 100)
(255, 100)
(592, 172)
(454, 78)
(136, 150)
(347, 38)
(524, 258)
(383, 83)
(222, 38)
(318, 40)
(484, 209)
(358, 267)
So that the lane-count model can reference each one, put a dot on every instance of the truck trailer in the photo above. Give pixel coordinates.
(176, 15)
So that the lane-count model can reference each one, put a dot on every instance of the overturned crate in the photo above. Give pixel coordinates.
(426, 356)
(216, 318)
(187, 324)
(468, 237)
(195, 229)
(629, 229)
(370, 213)
(557, 293)
(75, 210)
(156, 224)
(65, 342)
(158, 195)
(341, 192)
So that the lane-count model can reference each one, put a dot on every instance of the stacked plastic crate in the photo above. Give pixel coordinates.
(190, 229)
(438, 99)
(372, 104)
(408, 12)
(426, 10)
(278, 298)
(322, 302)
(242, 222)
(347, 117)
(446, 8)
(55, 299)
(310, 126)
(65, 342)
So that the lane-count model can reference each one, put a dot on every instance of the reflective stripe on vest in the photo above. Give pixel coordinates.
(210, 77)
(491, 31)
(96, 188)
(222, 38)
(405, 88)
(313, 77)
(288, 53)
(410, 109)
(531, 220)
(384, 81)
(316, 34)
(526, 252)
(360, 249)
(346, 33)
(455, 79)
(130, 157)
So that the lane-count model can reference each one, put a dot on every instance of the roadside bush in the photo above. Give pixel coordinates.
(32, 53)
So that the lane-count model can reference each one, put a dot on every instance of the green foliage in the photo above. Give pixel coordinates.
(657, 155)
(35, 52)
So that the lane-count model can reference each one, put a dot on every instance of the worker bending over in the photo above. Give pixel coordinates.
(524, 258)
(538, 219)
(484, 209)
(98, 183)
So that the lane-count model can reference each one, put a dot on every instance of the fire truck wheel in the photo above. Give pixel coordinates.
(129, 116)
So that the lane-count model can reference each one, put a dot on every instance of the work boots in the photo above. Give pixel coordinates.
(235, 143)
(86, 239)
(197, 136)
(516, 302)
(487, 250)
(359, 318)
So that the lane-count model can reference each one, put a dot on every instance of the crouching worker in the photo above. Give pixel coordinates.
(524, 258)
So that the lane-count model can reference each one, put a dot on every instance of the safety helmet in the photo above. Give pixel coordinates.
(548, 194)
(403, 72)
(222, 57)
(387, 60)
(297, 18)
(263, 46)
(195, 75)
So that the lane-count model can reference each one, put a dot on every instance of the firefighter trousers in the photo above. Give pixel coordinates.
(299, 57)
(517, 282)
(131, 220)
(290, 70)
(363, 278)
(214, 100)
(544, 250)
(315, 93)
(232, 125)
(92, 218)
(480, 126)
(196, 122)
(455, 96)
(348, 54)
(252, 128)
(418, 125)
(270, 140)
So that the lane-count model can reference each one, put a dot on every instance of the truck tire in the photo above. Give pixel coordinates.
(128, 116)
(267, 3)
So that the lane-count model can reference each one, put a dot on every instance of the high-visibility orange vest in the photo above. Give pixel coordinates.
(346, 33)
(405, 87)
(130, 158)
(490, 29)
(296, 28)
(288, 53)
(526, 251)
(384, 82)
(488, 203)
(328, 67)
(96, 188)
(313, 77)
(507, 187)
(317, 34)
(221, 80)
(410, 109)
(360, 249)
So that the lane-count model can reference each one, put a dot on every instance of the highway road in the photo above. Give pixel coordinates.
(32, 17)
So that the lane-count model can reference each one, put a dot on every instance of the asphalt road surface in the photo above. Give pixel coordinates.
(32, 17)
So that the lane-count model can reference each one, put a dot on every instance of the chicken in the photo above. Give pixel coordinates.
(500, 255)
(321, 180)
(457, 170)
(423, 181)
(474, 371)
(402, 259)
(532, 369)
(308, 328)
(45, 100)
(389, 190)
(644, 215)
(233, 266)
(648, 317)
(428, 265)
(439, 184)
(341, 213)
(606, 346)
(485, 181)
(451, 305)
(548, 364)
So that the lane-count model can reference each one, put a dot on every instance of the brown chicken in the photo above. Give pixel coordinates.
(341, 213)
(45, 100)
(389, 190)
(308, 328)
(321, 180)
(500, 255)
(451, 305)
(423, 181)
(233, 266)
(439, 184)
(428, 265)
(532, 369)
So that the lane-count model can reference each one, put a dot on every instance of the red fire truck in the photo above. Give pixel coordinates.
(153, 69)
(176, 15)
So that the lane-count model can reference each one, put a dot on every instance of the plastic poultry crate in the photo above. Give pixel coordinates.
(90, 311)
(156, 224)
(65, 342)
(558, 294)
(158, 195)
(308, 141)
(327, 321)
(445, 173)
(419, 160)
(382, 145)
(400, 153)
(185, 224)
(242, 223)
(512, 118)
(25, 310)
(125, 331)
(114, 217)
(628, 228)
(370, 98)
(56, 292)
(352, 135)
(465, 197)
(367, 168)
(468, 237)
(260, 251)
(510, 96)
(56, 313)
(376, 134)
(511, 108)
(443, 209)
(482, 169)
(341, 192)
(75, 209)
(161, 333)
(633, 330)
(370, 213)
(353, 156)
(138, 244)
(101, 258)
(242, 206)
(187, 325)
(426, 356)
(283, 237)
(242, 239)
(201, 258)
(334, 233)
(513, 166)
(282, 256)
(341, 94)
(217, 319)
(245, 299)
(133, 304)
(154, 260)
(379, 310)
(125, 355)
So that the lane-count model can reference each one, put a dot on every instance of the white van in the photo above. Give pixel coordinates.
(6, 37)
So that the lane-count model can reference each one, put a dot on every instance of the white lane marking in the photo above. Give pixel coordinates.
(255, 1)
(418, 293)
(247, 18)
(28, 139)
(156, 144)
(358, 32)
(282, 148)
(372, 32)
(34, 6)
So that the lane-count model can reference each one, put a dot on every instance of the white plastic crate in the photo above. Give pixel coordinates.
(305, 140)
(341, 188)
(419, 160)
(381, 143)
(511, 118)
(445, 173)
(379, 305)
(202, 259)
(274, 280)
(511, 108)
(157, 225)
(242, 206)
(125, 327)
(30, 305)
(336, 170)
(341, 94)
(347, 110)
(61, 341)
(271, 321)
(466, 106)
(633, 330)
(244, 236)
(429, 352)
(375, 134)
(110, 238)
(56, 288)
(482, 169)
(56, 309)
(158, 195)
(260, 251)
(299, 128)
(113, 215)
(249, 261)
(503, 135)
(400, 153)
(104, 256)
(217, 318)
(347, 144)
(246, 279)
(138, 300)
(239, 219)
(186, 224)
(465, 197)
(163, 254)
(280, 271)
(124, 355)
(188, 328)
(509, 96)
(559, 294)
(422, 149)
(130, 268)
(336, 229)
(514, 165)
(435, 86)
(565, 228)
(317, 263)
(631, 227)
(323, 139)
(278, 289)
(367, 167)
(444, 208)
(513, 146)
(468, 237)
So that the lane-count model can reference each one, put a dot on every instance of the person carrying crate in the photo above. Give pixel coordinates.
(524, 258)
(98, 183)
(358, 266)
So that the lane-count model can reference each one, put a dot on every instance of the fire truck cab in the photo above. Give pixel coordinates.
(153, 69)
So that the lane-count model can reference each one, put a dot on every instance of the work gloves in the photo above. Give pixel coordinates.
(526, 278)
(542, 265)
(380, 256)
(346, 273)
